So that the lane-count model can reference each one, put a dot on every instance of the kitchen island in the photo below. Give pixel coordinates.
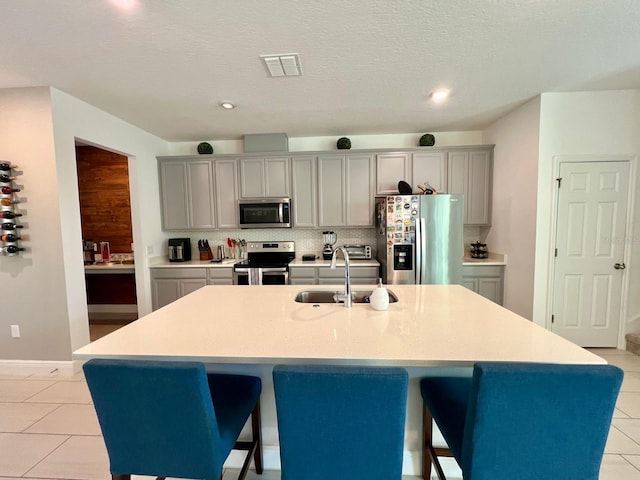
(252, 328)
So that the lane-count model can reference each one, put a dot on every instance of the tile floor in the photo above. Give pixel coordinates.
(48, 429)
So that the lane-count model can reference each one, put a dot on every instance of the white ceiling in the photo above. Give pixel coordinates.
(368, 65)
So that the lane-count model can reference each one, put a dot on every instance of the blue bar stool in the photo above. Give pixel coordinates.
(172, 419)
(340, 422)
(524, 421)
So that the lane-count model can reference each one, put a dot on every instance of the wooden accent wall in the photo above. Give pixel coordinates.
(105, 206)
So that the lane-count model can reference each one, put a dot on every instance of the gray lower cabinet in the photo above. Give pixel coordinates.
(486, 280)
(220, 276)
(303, 276)
(169, 284)
(326, 276)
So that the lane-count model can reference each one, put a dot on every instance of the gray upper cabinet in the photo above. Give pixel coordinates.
(392, 168)
(186, 188)
(226, 193)
(429, 167)
(304, 191)
(470, 172)
(346, 187)
(413, 168)
(327, 189)
(360, 190)
(264, 177)
(331, 190)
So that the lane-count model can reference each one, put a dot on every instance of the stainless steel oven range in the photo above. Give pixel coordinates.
(267, 264)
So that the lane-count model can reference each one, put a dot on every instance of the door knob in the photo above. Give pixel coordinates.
(619, 266)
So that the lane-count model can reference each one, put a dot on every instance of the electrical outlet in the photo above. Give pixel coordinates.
(149, 249)
(15, 331)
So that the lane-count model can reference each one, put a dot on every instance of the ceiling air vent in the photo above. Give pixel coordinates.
(283, 65)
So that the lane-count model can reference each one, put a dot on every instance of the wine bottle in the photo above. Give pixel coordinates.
(8, 214)
(6, 166)
(7, 202)
(9, 190)
(6, 178)
(12, 249)
(10, 226)
(10, 238)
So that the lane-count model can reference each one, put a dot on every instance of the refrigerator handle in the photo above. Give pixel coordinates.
(417, 253)
(422, 248)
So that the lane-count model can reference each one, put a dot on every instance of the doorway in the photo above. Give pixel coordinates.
(590, 249)
(105, 211)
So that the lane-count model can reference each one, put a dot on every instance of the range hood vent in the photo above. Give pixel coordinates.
(266, 142)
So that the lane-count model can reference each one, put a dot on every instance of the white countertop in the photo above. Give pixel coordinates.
(165, 263)
(431, 325)
(494, 259)
(298, 262)
(110, 267)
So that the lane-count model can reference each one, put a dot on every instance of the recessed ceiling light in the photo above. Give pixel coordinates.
(227, 105)
(439, 96)
(125, 4)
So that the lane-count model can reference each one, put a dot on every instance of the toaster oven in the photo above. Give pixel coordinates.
(358, 252)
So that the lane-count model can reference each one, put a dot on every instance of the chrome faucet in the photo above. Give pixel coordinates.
(346, 296)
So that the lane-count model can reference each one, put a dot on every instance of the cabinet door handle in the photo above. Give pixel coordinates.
(619, 266)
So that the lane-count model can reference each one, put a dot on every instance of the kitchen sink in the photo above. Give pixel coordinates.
(326, 296)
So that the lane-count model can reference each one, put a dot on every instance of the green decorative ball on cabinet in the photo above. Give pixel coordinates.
(427, 140)
(204, 148)
(344, 143)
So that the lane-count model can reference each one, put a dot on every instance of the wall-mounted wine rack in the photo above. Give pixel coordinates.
(10, 228)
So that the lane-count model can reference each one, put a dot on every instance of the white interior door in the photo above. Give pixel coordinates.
(590, 250)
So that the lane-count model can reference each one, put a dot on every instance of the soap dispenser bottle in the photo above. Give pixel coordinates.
(379, 297)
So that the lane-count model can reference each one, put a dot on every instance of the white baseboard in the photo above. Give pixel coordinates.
(40, 367)
(112, 312)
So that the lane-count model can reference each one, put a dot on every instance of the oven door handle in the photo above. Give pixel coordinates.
(274, 269)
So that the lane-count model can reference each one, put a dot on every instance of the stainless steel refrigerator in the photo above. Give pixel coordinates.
(420, 238)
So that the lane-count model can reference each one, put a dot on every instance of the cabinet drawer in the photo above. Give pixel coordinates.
(179, 273)
(302, 272)
(220, 273)
(356, 272)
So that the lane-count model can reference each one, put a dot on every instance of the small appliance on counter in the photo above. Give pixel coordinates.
(479, 250)
(179, 249)
(88, 252)
(358, 252)
(329, 239)
(105, 252)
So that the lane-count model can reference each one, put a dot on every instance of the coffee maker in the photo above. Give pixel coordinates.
(330, 239)
(179, 249)
(88, 252)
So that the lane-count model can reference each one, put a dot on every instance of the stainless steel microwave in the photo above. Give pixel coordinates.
(265, 213)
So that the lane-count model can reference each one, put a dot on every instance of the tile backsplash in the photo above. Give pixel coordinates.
(307, 240)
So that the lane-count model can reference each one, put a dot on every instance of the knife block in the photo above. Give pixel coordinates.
(206, 254)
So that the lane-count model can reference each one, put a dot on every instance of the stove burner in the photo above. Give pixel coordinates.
(267, 255)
